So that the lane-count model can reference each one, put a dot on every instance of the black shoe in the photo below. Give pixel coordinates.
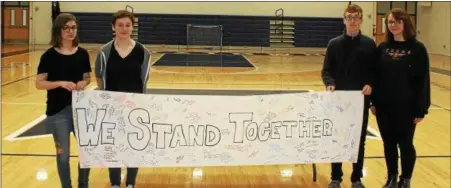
(334, 184)
(392, 182)
(357, 184)
(404, 183)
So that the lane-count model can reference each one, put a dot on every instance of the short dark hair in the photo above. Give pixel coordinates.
(122, 14)
(58, 24)
(353, 8)
(399, 14)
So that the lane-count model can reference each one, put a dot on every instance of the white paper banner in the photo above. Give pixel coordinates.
(140, 130)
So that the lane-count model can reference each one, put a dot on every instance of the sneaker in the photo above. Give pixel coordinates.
(130, 186)
(115, 186)
(357, 184)
(334, 184)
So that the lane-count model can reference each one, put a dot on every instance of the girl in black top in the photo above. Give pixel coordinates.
(401, 95)
(63, 68)
(123, 65)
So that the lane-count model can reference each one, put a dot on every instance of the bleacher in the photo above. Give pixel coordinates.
(171, 29)
(94, 27)
(316, 32)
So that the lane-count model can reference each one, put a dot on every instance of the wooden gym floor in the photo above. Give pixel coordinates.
(31, 162)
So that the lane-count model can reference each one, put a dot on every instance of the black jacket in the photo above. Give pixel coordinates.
(402, 76)
(348, 62)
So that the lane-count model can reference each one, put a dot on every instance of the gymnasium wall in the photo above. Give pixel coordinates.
(434, 27)
(333, 9)
(41, 31)
(40, 24)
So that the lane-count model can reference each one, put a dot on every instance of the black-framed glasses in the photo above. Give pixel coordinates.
(393, 22)
(355, 18)
(68, 28)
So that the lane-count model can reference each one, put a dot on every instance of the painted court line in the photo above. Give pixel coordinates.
(439, 108)
(13, 135)
(34, 137)
(373, 131)
(23, 103)
(16, 133)
(31, 137)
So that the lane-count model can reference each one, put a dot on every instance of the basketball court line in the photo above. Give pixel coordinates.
(24, 103)
(10, 56)
(439, 108)
(15, 138)
(250, 72)
(234, 84)
(374, 132)
(18, 80)
(13, 135)
(158, 58)
(254, 68)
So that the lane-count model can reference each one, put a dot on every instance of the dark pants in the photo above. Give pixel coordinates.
(357, 168)
(62, 125)
(397, 130)
(115, 176)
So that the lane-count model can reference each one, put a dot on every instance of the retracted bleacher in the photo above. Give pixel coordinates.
(171, 29)
(316, 32)
(94, 27)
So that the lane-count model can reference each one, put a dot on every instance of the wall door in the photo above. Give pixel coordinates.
(380, 29)
(15, 25)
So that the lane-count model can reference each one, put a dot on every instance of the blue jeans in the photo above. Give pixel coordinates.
(61, 124)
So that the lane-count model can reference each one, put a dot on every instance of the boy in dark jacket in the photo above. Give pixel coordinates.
(347, 66)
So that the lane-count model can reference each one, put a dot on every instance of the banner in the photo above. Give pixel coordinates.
(115, 129)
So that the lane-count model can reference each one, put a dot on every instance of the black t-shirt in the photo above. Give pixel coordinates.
(60, 67)
(124, 74)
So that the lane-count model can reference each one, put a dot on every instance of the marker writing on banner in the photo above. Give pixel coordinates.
(166, 135)
(246, 128)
